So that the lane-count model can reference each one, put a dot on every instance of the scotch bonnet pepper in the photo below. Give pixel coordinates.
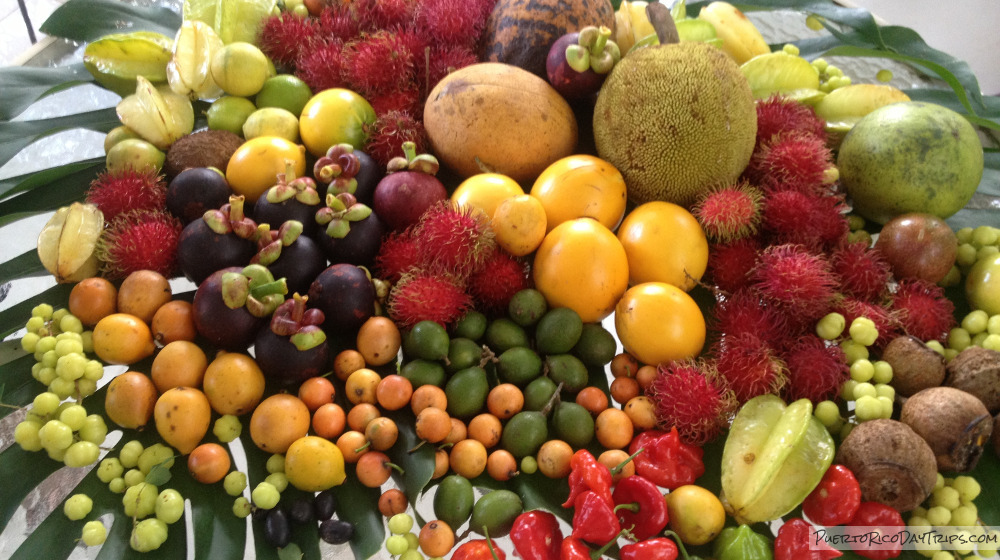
(797, 540)
(660, 548)
(594, 521)
(587, 474)
(640, 507)
(536, 535)
(665, 460)
(835, 499)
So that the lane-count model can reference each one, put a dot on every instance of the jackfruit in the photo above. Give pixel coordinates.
(675, 120)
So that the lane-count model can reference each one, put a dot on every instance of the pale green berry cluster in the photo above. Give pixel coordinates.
(60, 345)
(402, 542)
(63, 429)
(950, 510)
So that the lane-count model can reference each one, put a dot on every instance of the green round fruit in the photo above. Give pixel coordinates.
(519, 365)
(472, 325)
(538, 393)
(116, 135)
(424, 372)
(503, 334)
(910, 157)
(495, 512)
(527, 306)
(463, 353)
(466, 392)
(229, 113)
(453, 500)
(573, 424)
(427, 340)
(135, 153)
(982, 285)
(558, 331)
(568, 370)
(524, 433)
(284, 91)
(597, 346)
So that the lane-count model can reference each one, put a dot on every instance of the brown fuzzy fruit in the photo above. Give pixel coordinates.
(954, 423)
(976, 370)
(892, 463)
(915, 366)
(206, 148)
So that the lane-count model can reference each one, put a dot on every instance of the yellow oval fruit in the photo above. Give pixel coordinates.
(272, 121)
(486, 191)
(240, 68)
(121, 338)
(696, 514)
(664, 243)
(314, 464)
(254, 166)
(581, 265)
(278, 421)
(658, 322)
(519, 224)
(130, 399)
(233, 383)
(335, 116)
(182, 416)
(581, 186)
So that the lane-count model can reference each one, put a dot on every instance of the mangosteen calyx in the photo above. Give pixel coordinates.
(338, 214)
(339, 167)
(255, 288)
(270, 242)
(301, 325)
(593, 51)
(231, 218)
(302, 189)
(410, 161)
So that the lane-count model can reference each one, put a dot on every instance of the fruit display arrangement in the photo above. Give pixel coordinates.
(549, 280)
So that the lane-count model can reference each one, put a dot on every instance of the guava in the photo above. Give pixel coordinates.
(910, 157)
(982, 284)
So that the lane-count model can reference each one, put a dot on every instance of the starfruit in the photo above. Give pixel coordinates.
(158, 115)
(67, 244)
(116, 60)
(782, 73)
(773, 457)
(740, 37)
(189, 71)
(632, 24)
(233, 20)
(843, 107)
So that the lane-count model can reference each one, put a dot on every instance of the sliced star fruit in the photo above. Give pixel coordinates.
(116, 60)
(189, 71)
(158, 115)
(773, 457)
(779, 72)
(843, 107)
(67, 244)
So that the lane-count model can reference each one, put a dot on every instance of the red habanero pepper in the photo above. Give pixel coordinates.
(794, 539)
(665, 460)
(587, 474)
(573, 548)
(835, 499)
(536, 535)
(594, 520)
(478, 549)
(640, 504)
(660, 548)
(882, 520)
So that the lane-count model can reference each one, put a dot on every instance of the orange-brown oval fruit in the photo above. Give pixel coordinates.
(520, 32)
(278, 421)
(499, 118)
(182, 416)
(233, 383)
(130, 399)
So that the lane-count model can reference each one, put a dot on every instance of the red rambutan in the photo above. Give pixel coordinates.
(863, 271)
(691, 397)
(397, 255)
(407, 101)
(322, 65)
(379, 63)
(140, 240)
(389, 132)
(743, 312)
(500, 277)
(283, 37)
(816, 221)
(923, 310)
(791, 160)
(729, 264)
(778, 114)
(816, 370)
(442, 60)
(423, 295)
(799, 282)
(384, 14)
(455, 238)
(450, 22)
(337, 21)
(885, 321)
(729, 213)
(749, 366)
(117, 192)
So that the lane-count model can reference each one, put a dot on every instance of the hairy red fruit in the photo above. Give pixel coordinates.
(379, 63)
(923, 310)
(729, 213)
(794, 160)
(322, 66)
(455, 238)
(815, 370)
(389, 132)
(284, 37)
(778, 114)
(440, 61)
(496, 282)
(336, 21)
(397, 255)
(450, 22)
(117, 192)
(816, 221)
(691, 396)
(729, 264)
(406, 101)
(743, 312)
(797, 281)
(749, 365)
(384, 14)
(140, 240)
(423, 295)
(863, 271)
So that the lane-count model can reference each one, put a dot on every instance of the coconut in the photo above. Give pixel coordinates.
(954, 423)
(976, 370)
(915, 366)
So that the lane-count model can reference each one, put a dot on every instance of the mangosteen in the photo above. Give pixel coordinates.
(232, 304)
(954, 423)
(578, 62)
(293, 198)
(409, 189)
(368, 178)
(346, 296)
(348, 171)
(353, 233)
(292, 347)
(195, 191)
(290, 255)
(220, 238)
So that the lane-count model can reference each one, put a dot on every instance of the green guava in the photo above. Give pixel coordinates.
(910, 157)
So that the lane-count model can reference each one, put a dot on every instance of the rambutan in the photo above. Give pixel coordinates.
(799, 282)
(729, 264)
(743, 312)
(886, 322)
(117, 192)
(450, 22)
(427, 295)
(923, 310)
(440, 61)
(730, 212)
(407, 101)
(379, 63)
(500, 277)
(397, 255)
(778, 114)
(749, 365)
(321, 66)
(692, 397)
(283, 37)
(140, 240)
(863, 271)
(816, 221)
(389, 132)
(791, 160)
(384, 14)
(816, 370)
(337, 21)
(455, 238)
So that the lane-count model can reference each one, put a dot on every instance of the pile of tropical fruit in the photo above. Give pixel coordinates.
(548, 280)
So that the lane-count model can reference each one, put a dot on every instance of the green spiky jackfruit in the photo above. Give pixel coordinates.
(675, 120)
